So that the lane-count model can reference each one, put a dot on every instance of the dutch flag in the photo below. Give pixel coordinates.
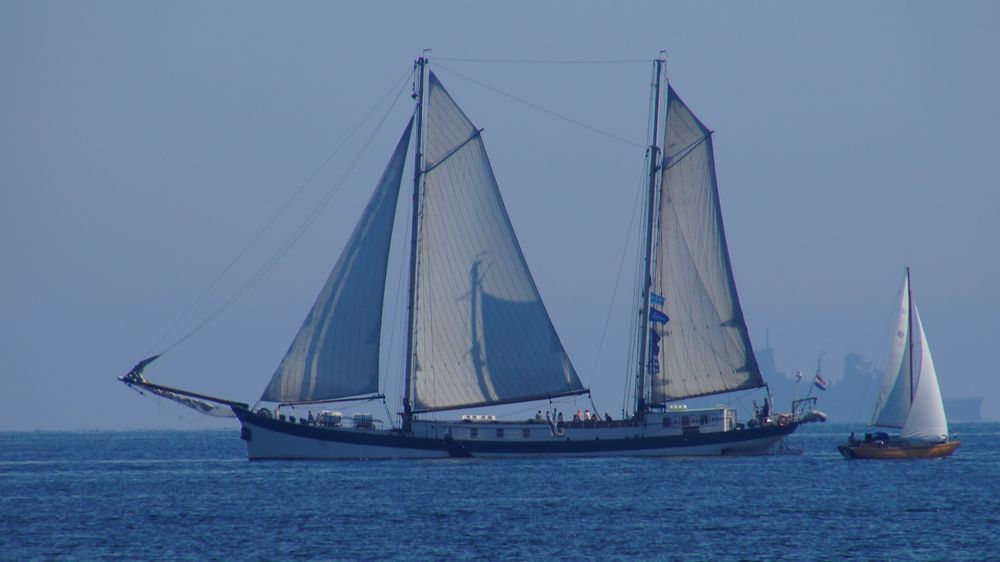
(820, 382)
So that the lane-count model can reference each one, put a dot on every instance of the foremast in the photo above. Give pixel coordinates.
(420, 71)
(653, 157)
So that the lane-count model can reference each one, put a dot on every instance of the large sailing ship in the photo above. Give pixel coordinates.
(479, 335)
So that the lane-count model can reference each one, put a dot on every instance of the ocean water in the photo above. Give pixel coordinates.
(193, 496)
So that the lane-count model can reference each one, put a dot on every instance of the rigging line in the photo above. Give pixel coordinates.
(280, 253)
(618, 278)
(301, 229)
(395, 327)
(560, 400)
(633, 342)
(543, 61)
(392, 422)
(542, 109)
(683, 153)
(428, 168)
(274, 217)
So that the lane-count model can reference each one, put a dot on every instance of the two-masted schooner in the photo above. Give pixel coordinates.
(479, 335)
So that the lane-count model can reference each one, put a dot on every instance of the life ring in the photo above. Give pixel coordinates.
(782, 420)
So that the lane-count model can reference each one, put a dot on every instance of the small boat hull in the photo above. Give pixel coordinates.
(271, 439)
(874, 451)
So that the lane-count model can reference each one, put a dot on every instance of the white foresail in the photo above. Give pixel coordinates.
(481, 333)
(704, 347)
(335, 353)
(894, 396)
(926, 420)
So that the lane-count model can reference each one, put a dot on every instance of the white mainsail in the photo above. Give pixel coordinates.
(894, 396)
(704, 346)
(335, 353)
(481, 333)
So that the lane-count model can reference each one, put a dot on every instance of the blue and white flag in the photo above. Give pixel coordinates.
(658, 316)
(656, 300)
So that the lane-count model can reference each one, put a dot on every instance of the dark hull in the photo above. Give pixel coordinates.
(268, 438)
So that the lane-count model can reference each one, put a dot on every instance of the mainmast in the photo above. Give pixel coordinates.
(418, 171)
(909, 331)
(653, 154)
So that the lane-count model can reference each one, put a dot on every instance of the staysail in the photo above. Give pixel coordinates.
(926, 420)
(699, 339)
(481, 333)
(336, 351)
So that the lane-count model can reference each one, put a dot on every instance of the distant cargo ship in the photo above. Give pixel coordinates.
(964, 409)
(860, 378)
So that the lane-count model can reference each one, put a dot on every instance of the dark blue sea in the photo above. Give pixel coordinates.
(192, 495)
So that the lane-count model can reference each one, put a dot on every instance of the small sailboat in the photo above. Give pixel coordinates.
(909, 399)
(478, 334)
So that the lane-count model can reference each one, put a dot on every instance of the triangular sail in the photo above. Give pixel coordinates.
(926, 420)
(481, 333)
(704, 347)
(894, 395)
(335, 353)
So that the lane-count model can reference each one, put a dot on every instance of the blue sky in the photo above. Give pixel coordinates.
(144, 144)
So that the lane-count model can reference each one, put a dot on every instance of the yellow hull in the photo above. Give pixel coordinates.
(891, 452)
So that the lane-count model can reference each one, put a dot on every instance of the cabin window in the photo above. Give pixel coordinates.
(500, 433)
(685, 420)
(666, 421)
(703, 420)
(474, 433)
(526, 433)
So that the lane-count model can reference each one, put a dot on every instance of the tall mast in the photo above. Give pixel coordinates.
(909, 319)
(418, 165)
(647, 279)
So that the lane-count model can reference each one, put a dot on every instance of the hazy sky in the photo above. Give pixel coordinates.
(142, 145)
